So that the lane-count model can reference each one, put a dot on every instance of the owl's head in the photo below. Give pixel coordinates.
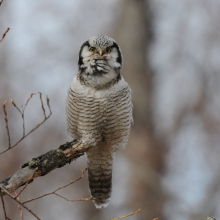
(100, 62)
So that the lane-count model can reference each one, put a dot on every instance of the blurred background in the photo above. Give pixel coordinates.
(171, 49)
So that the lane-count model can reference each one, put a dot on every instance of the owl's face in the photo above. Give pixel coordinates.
(100, 62)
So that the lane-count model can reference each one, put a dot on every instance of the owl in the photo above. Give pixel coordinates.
(99, 111)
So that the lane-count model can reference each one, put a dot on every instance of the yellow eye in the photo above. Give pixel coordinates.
(92, 49)
(108, 49)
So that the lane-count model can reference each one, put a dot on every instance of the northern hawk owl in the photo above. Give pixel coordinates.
(99, 111)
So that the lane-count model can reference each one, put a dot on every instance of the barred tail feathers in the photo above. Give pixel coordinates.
(100, 176)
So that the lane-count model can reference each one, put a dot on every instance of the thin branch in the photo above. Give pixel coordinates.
(127, 215)
(3, 205)
(76, 200)
(15, 199)
(22, 111)
(5, 31)
(23, 108)
(22, 115)
(47, 162)
(7, 28)
(1, 2)
(28, 100)
(54, 192)
(12, 101)
(6, 122)
(42, 105)
(19, 206)
(48, 104)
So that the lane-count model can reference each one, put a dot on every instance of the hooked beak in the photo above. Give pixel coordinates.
(100, 52)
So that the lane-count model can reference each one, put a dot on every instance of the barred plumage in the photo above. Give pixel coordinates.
(100, 115)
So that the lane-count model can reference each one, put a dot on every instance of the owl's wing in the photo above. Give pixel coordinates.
(72, 113)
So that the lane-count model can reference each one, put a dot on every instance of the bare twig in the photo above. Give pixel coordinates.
(22, 111)
(127, 215)
(12, 101)
(54, 192)
(15, 199)
(75, 200)
(28, 100)
(6, 122)
(4, 32)
(3, 205)
(48, 104)
(19, 206)
(22, 115)
(47, 162)
(7, 28)
(42, 105)
(1, 2)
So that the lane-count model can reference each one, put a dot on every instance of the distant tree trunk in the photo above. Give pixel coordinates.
(133, 32)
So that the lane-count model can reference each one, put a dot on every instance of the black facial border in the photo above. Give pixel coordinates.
(80, 62)
(119, 59)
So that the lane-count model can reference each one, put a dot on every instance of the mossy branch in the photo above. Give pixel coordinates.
(43, 164)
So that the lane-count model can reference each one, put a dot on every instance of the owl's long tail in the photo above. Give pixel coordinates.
(100, 175)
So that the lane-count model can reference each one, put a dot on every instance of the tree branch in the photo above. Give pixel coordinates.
(128, 215)
(1, 2)
(19, 206)
(22, 115)
(3, 205)
(14, 198)
(4, 32)
(55, 191)
(45, 163)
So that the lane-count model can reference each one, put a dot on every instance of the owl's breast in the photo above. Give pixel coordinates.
(103, 115)
(84, 114)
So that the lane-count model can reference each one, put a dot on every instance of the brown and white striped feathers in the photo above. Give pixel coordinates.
(99, 111)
